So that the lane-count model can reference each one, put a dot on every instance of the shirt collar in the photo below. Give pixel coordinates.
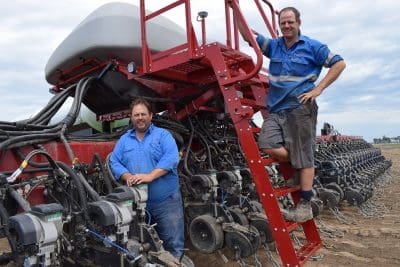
(301, 39)
(151, 128)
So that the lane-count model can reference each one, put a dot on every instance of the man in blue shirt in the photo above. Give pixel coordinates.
(288, 133)
(148, 154)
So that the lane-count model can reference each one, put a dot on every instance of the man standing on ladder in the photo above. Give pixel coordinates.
(288, 133)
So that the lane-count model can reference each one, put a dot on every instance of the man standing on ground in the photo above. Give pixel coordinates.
(148, 154)
(288, 133)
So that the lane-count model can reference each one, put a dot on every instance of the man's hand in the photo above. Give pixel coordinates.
(139, 178)
(312, 95)
(142, 178)
(128, 178)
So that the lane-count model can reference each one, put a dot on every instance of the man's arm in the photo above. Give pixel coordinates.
(168, 161)
(117, 167)
(333, 73)
(145, 177)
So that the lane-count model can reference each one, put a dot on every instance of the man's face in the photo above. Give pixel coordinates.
(289, 26)
(141, 118)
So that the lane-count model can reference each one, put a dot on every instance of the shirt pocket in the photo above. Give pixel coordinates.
(128, 157)
(299, 66)
(276, 66)
(155, 150)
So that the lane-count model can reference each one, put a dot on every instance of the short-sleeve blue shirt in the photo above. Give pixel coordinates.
(156, 150)
(293, 71)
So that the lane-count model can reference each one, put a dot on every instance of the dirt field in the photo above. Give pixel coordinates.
(351, 239)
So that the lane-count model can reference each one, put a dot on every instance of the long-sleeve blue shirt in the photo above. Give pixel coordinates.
(157, 150)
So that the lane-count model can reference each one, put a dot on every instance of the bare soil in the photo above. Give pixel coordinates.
(354, 238)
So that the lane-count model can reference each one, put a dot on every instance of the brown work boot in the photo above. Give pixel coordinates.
(302, 212)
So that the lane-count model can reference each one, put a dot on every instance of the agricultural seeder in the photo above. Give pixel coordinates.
(60, 204)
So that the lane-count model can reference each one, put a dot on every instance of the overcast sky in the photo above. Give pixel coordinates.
(364, 101)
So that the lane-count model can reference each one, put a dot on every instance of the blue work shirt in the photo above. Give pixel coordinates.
(293, 71)
(157, 150)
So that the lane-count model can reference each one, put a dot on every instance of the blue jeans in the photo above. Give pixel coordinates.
(168, 215)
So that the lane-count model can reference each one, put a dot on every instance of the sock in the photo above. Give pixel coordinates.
(306, 195)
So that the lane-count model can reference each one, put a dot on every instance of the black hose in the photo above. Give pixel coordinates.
(3, 215)
(81, 192)
(27, 139)
(185, 159)
(19, 199)
(52, 105)
(5, 257)
(19, 153)
(92, 193)
(106, 177)
(81, 88)
(209, 156)
(10, 134)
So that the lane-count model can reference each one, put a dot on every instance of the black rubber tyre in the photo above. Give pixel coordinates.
(206, 234)
(264, 229)
(238, 216)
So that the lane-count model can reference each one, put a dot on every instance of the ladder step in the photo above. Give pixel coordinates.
(251, 103)
(308, 250)
(290, 226)
(268, 161)
(284, 190)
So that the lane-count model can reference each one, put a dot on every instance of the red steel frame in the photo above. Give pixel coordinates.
(241, 109)
(214, 65)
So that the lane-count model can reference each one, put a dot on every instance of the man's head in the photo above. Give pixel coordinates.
(141, 114)
(289, 22)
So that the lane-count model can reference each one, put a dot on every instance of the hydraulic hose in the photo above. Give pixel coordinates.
(27, 139)
(3, 214)
(95, 196)
(106, 177)
(52, 104)
(185, 159)
(25, 163)
(19, 199)
(81, 192)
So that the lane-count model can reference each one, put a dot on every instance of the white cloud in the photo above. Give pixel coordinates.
(365, 99)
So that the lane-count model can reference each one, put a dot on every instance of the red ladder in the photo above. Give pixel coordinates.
(242, 101)
(244, 91)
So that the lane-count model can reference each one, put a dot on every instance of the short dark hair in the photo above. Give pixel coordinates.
(141, 101)
(290, 8)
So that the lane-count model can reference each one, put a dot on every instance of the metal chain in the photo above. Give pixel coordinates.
(327, 231)
(257, 262)
(373, 208)
(271, 258)
(340, 216)
(295, 239)
(317, 257)
(241, 262)
(223, 257)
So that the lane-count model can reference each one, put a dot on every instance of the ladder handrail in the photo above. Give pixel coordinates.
(234, 4)
(190, 43)
(236, 9)
(271, 26)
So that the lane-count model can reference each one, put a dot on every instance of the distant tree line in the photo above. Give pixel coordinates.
(387, 140)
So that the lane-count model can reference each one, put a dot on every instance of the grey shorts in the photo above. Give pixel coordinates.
(295, 130)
